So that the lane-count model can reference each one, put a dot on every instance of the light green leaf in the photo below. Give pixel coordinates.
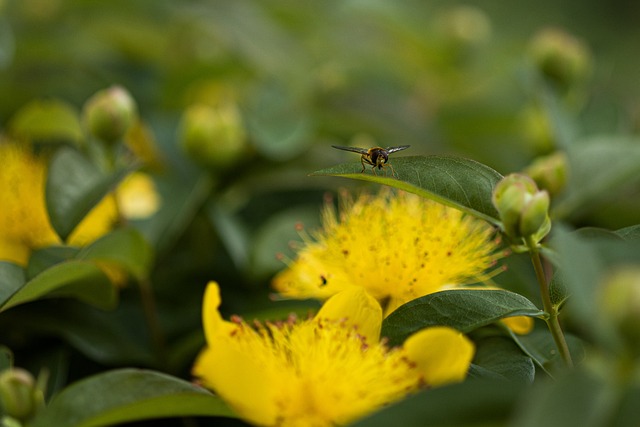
(629, 233)
(127, 395)
(453, 181)
(125, 248)
(465, 310)
(47, 121)
(74, 187)
(78, 279)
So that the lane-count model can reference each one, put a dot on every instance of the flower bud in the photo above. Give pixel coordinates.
(620, 304)
(20, 397)
(550, 172)
(213, 136)
(560, 57)
(465, 25)
(522, 207)
(534, 214)
(109, 113)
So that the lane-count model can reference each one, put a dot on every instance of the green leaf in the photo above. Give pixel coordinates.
(579, 398)
(465, 310)
(128, 395)
(629, 233)
(78, 279)
(125, 248)
(500, 358)
(600, 169)
(12, 278)
(6, 358)
(47, 121)
(42, 259)
(471, 403)
(74, 187)
(453, 181)
(539, 345)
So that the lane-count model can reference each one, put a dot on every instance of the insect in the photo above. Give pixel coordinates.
(377, 157)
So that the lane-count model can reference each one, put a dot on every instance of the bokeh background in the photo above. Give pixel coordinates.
(443, 77)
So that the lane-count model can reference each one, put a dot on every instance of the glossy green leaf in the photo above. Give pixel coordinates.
(47, 121)
(128, 395)
(465, 310)
(471, 403)
(454, 181)
(12, 278)
(77, 279)
(125, 248)
(74, 187)
(498, 357)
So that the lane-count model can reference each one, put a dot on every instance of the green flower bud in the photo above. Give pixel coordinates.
(109, 113)
(465, 25)
(550, 172)
(534, 214)
(213, 137)
(522, 207)
(20, 398)
(560, 57)
(620, 305)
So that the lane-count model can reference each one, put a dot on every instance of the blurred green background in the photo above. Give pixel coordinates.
(443, 77)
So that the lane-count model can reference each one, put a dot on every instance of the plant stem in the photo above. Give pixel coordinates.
(552, 322)
(153, 322)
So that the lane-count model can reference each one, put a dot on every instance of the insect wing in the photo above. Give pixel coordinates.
(354, 149)
(394, 149)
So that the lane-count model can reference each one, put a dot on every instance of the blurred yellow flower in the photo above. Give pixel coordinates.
(396, 246)
(137, 196)
(326, 371)
(24, 222)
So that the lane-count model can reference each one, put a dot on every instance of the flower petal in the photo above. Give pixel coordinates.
(441, 354)
(227, 366)
(358, 309)
(520, 325)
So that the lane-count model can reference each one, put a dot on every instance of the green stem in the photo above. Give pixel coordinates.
(152, 319)
(553, 322)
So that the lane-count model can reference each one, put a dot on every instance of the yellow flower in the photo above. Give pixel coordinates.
(325, 371)
(24, 222)
(396, 246)
(137, 196)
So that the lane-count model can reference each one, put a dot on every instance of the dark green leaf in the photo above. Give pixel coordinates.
(128, 395)
(464, 310)
(6, 358)
(125, 248)
(78, 279)
(454, 181)
(74, 187)
(12, 278)
(539, 345)
(44, 258)
(472, 403)
(500, 358)
(232, 233)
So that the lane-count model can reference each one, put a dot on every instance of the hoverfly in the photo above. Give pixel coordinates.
(377, 157)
